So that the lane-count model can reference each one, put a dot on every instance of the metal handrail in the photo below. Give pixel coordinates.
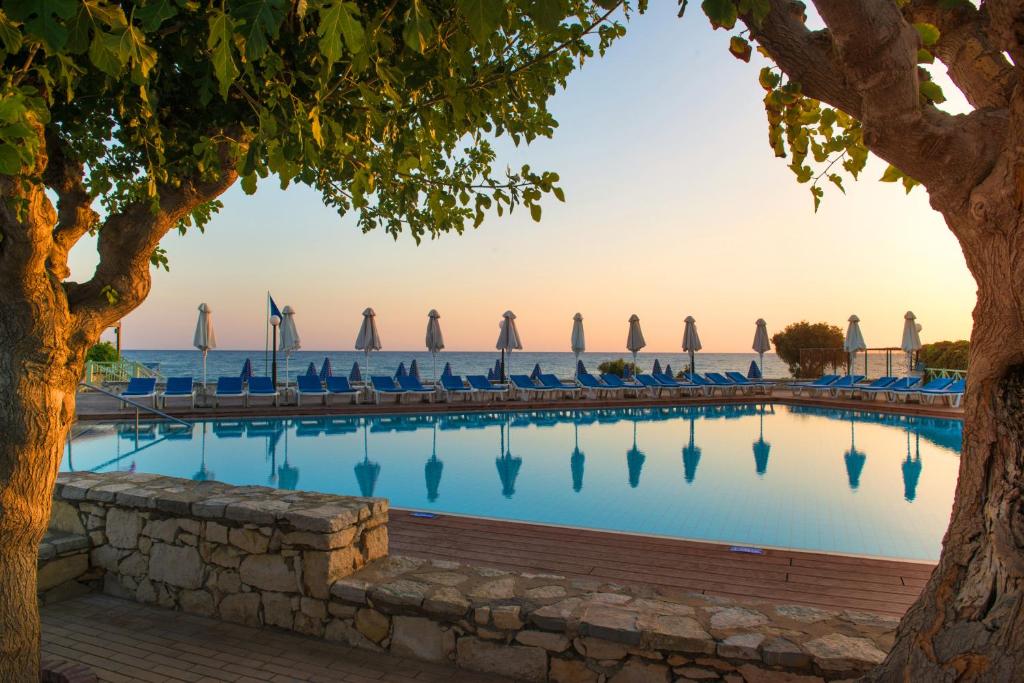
(138, 406)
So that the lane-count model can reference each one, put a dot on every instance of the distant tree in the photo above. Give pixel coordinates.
(620, 367)
(950, 355)
(103, 352)
(825, 340)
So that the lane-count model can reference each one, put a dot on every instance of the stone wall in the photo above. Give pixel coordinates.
(246, 554)
(316, 564)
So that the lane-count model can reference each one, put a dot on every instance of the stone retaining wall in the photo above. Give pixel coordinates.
(316, 564)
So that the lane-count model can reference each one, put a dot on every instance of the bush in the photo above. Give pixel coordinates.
(620, 367)
(951, 355)
(825, 339)
(104, 352)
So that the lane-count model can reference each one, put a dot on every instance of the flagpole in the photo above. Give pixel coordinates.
(266, 335)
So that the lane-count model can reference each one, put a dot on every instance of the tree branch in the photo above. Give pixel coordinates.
(1006, 27)
(75, 215)
(974, 64)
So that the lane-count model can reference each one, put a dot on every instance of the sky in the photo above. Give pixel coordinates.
(675, 206)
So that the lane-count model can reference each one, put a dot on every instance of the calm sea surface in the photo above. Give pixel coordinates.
(175, 363)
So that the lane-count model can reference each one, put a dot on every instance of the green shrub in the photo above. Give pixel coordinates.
(825, 339)
(620, 367)
(104, 352)
(951, 355)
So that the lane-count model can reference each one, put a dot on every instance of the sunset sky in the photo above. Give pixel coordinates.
(675, 206)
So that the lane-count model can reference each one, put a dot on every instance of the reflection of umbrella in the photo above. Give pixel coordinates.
(761, 343)
(634, 339)
(203, 474)
(432, 471)
(577, 341)
(761, 449)
(576, 462)
(691, 458)
(634, 461)
(911, 469)
(434, 338)
(691, 341)
(508, 467)
(367, 471)
(368, 339)
(854, 461)
(272, 439)
(287, 476)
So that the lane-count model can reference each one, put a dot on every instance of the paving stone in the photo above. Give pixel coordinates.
(499, 589)
(611, 624)
(679, 633)
(350, 590)
(399, 594)
(741, 646)
(446, 602)
(737, 617)
(803, 614)
(515, 661)
(557, 617)
(781, 652)
(552, 642)
(837, 653)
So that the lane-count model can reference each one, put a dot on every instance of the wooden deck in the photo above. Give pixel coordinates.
(828, 581)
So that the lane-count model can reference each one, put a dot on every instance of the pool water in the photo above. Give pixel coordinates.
(857, 482)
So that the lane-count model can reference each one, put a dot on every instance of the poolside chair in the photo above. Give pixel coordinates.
(841, 383)
(903, 383)
(723, 384)
(262, 386)
(905, 393)
(549, 381)
(752, 385)
(851, 391)
(178, 387)
(412, 386)
(668, 381)
(338, 385)
(229, 387)
(594, 386)
(309, 385)
(615, 382)
(383, 385)
(482, 387)
(140, 387)
(525, 386)
(952, 394)
(823, 381)
(653, 386)
(452, 385)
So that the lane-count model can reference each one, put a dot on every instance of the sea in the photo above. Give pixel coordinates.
(174, 363)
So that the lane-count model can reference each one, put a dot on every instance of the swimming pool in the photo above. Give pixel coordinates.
(761, 475)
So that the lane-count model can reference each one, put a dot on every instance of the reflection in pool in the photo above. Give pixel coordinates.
(763, 475)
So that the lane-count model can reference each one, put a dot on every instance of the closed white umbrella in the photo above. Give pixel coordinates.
(368, 339)
(290, 342)
(854, 340)
(691, 341)
(635, 338)
(578, 342)
(508, 335)
(204, 338)
(761, 343)
(434, 340)
(911, 337)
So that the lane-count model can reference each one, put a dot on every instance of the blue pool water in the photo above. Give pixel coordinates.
(761, 475)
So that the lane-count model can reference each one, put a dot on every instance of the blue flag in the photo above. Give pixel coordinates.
(274, 310)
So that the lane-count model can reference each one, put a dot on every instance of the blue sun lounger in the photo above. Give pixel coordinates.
(412, 386)
(953, 394)
(615, 382)
(140, 387)
(525, 386)
(905, 393)
(384, 385)
(683, 387)
(549, 381)
(653, 386)
(901, 384)
(843, 382)
(262, 386)
(823, 381)
(482, 387)
(743, 382)
(452, 385)
(179, 387)
(723, 384)
(309, 385)
(229, 387)
(851, 391)
(338, 385)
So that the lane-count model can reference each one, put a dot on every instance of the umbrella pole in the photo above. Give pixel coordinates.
(693, 363)
(761, 363)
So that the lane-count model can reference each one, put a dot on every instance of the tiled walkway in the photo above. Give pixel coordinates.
(126, 641)
(830, 581)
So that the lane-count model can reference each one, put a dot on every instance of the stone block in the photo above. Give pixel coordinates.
(375, 543)
(319, 541)
(241, 608)
(506, 617)
(218, 533)
(61, 570)
(197, 602)
(421, 638)
(372, 624)
(552, 642)
(249, 540)
(278, 609)
(399, 594)
(677, 633)
(350, 590)
(741, 646)
(571, 671)
(64, 517)
(320, 569)
(639, 671)
(781, 652)
(268, 572)
(175, 565)
(611, 623)
(446, 602)
(737, 617)
(836, 653)
(514, 661)
(123, 528)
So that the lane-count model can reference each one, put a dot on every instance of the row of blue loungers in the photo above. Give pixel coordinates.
(894, 389)
(184, 388)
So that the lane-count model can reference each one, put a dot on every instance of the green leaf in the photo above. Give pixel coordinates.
(418, 32)
(10, 160)
(722, 13)
(932, 91)
(338, 19)
(757, 9)
(559, 193)
(219, 43)
(837, 180)
(547, 13)
(929, 33)
(249, 183)
(43, 18)
(483, 16)
(909, 184)
(259, 20)
(740, 48)
(924, 56)
(891, 175)
(155, 12)
(817, 193)
(535, 212)
(768, 79)
(106, 53)
(10, 36)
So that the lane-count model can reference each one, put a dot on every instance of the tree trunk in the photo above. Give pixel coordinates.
(968, 623)
(39, 372)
